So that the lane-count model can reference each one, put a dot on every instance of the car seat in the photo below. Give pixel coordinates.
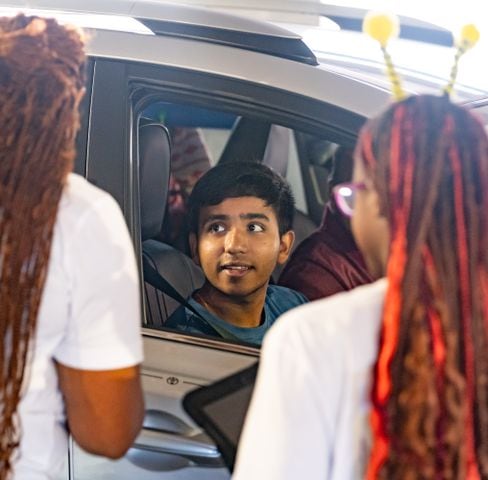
(190, 159)
(173, 265)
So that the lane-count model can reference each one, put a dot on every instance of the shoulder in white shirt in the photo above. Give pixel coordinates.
(89, 319)
(308, 415)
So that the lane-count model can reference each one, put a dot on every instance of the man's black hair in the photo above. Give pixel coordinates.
(232, 180)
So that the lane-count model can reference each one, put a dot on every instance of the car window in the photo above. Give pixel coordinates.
(200, 139)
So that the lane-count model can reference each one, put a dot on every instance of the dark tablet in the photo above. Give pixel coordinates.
(220, 409)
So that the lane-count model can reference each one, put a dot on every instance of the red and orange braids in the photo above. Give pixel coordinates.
(429, 163)
(41, 84)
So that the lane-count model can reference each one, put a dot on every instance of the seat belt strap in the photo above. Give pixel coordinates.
(155, 279)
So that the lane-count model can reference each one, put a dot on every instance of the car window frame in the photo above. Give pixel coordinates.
(121, 90)
(148, 87)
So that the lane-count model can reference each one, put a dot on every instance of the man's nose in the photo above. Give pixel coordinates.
(236, 241)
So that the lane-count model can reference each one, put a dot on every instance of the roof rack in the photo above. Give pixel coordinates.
(410, 28)
(292, 48)
(347, 18)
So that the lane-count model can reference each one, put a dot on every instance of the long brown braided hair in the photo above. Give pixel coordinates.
(41, 84)
(428, 160)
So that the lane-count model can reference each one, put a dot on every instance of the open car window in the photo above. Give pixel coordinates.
(201, 138)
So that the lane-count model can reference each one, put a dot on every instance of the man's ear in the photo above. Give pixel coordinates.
(286, 243)
(193, 241)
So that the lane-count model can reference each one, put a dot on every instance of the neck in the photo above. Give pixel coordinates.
(240, 311)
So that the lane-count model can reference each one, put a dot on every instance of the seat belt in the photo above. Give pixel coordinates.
(156, 280)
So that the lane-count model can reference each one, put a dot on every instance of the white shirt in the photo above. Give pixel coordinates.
(89, 319)
(308, 417)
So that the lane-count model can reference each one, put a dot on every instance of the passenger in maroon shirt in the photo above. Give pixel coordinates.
(328, 261)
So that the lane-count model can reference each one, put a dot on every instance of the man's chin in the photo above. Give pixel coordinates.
(236, 293)
(239, 292)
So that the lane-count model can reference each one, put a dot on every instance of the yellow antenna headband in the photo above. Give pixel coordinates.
(382, 27)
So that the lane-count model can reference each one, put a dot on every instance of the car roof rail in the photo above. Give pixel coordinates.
(291, 48)
(347, 18)
(410, 28)
(186, 21)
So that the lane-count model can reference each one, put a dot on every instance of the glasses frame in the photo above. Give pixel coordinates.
(341, 203)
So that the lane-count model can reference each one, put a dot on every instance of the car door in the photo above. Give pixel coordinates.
(170, 445)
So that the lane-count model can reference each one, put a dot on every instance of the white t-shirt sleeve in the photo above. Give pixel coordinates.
(289, 429)
(103, 330)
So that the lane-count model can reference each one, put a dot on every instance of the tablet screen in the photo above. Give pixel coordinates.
(220, 409)
(229, 412)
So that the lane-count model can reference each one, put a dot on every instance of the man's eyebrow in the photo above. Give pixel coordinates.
(254, 216)
(244, 216)
(214, 218)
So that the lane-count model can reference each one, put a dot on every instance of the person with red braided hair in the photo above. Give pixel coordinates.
(69, 295)
(410, 351)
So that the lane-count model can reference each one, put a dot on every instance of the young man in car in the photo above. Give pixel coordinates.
(241, 219)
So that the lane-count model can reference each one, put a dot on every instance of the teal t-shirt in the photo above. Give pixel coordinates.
(278, 300)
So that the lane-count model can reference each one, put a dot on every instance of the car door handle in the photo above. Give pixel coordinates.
(197, 449)
(167, 443)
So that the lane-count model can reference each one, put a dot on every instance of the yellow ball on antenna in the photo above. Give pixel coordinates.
(469, 35)
(381, 26)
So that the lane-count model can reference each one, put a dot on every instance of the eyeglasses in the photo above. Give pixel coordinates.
(345, 196)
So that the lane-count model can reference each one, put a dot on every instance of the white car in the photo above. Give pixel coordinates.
(241, 89)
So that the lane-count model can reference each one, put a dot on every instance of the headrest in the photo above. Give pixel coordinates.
(277, 150)
(247, 142)
(154, 171)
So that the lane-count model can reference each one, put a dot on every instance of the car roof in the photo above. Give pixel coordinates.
(181, 21)
(121, 33)
(339, 45)
(349, 52)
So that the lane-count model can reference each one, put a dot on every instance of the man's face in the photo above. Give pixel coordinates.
(239, 245)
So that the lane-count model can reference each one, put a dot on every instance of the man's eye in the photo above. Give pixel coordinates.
(216, 228)
(255, 227)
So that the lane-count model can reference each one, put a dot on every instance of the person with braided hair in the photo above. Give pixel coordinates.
(410, 351)
(69, 295)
